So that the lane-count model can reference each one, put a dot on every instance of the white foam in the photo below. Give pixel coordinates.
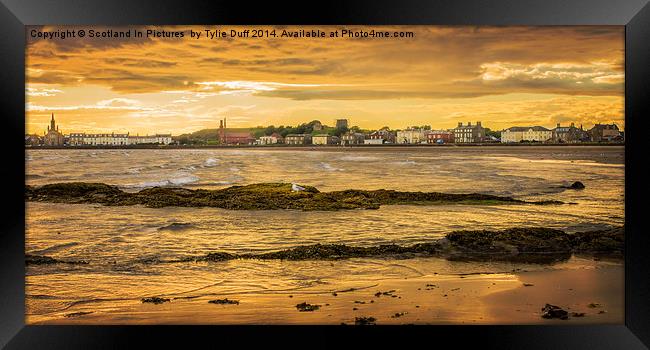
(359, 158)
(175, 181)
(210, 162)
(328, 167)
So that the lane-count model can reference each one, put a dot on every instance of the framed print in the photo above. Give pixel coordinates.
(462, 171)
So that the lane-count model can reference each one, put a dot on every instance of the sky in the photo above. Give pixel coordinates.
(501, 76)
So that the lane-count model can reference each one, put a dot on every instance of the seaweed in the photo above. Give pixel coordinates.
(263, 196)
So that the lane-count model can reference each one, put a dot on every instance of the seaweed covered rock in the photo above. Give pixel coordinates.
(306, 307)
(551, 311)
(577, 186)
(527, 244)
(73, 192)
(154, 300)
(608, 242)
(264, 196)
(225, 301)
(333, 251)
(46, 260)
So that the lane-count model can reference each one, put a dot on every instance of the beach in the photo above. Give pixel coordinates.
(495, 298)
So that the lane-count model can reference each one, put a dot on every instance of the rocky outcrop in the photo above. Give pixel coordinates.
(522, 244)
(46, 260)
(264, 196)
(525, 244)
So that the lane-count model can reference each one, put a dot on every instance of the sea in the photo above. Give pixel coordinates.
(129, 248)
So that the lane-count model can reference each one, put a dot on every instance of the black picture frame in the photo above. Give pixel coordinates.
(633, 14)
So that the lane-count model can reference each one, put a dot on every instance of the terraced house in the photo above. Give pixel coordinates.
(469, 133)
(298, 139)
(526, 134)
(569, 134)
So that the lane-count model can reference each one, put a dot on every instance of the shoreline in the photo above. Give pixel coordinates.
(326, 147)
(499, 298)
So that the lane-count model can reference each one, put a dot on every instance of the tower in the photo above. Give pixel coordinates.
(52, 124)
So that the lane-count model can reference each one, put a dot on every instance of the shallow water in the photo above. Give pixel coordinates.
(125, 245)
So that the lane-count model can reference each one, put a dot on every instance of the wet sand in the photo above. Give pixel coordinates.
(433, 299)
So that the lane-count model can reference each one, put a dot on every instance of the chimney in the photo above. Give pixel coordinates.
(469, 123)
(220, 124)
(558, 125)
(572, 125)
(224, 122)
(460, 124)
(478, 123)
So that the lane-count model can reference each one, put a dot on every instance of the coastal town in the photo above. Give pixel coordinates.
(342, 133)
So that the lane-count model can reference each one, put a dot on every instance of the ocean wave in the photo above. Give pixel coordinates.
(359, 158)
(328, 167)
(405, 162)
(176, 181)
(210, 162)
(176, 226)
(55, 248)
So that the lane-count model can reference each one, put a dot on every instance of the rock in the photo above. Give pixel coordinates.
(155, 300)
(577, 314)
(77, 314)
(46, 260)
(364, 321)
(528, 284)
(551, 311)
(263, 196)
(519, 244)
(577, 185)
(225, 301)
(593, 305)
(307, 307)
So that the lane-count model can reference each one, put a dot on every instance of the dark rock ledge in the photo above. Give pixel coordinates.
(264, 196)
(521, 244)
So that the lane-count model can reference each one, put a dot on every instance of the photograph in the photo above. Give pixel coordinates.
(341, 175)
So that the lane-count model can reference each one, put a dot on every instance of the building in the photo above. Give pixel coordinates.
(298, 139)
(384, 135)
(469, 133)
(273, 139)
(33, 140)
(570, 134)
(53, 137)
(237, 138)
(440, 137)
(159, 139)
(373, 141)
(113, 139)
(341, 123)
(352, 138)
(324, 139)
(411, 136)
(517, 134)
(605, 133)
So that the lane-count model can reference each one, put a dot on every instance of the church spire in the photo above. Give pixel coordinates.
(52, 123)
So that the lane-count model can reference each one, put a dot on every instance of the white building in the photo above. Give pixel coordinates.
(113, 139)
(373, 141)
(267, 140)
(413, 136)
(324, 139)
(527, 134)
(160, 139)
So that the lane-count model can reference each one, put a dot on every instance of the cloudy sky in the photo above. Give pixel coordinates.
(502, 76)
